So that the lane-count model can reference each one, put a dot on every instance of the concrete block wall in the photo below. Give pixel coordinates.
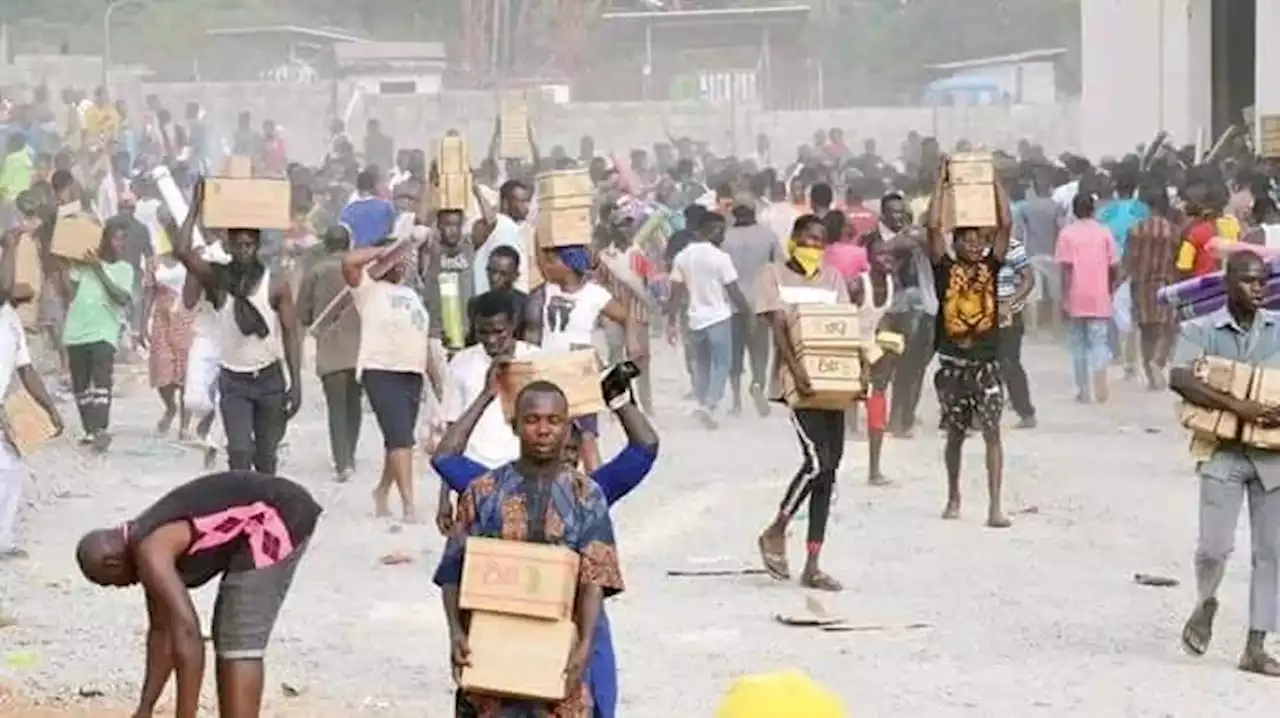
(304, 110)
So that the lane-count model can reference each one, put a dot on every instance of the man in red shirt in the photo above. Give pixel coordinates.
(863, 220)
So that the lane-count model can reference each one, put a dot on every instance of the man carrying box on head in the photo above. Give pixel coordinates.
(1245, 332)
(535, 499)
(257, 325)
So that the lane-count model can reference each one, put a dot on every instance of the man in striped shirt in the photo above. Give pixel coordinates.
(1013, 287)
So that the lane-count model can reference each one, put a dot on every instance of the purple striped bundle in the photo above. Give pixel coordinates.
(1209, 303)
(1207, 286)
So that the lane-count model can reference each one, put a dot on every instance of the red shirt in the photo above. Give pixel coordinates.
(862, 220)
(1198, 235)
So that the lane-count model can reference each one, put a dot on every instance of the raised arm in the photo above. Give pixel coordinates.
(1004, 224)
(624, 472)
(182, 244)
(935, 230)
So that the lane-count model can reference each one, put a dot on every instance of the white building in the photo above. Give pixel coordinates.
(1186, 66)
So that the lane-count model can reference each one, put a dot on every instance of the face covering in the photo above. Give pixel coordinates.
(809, 258)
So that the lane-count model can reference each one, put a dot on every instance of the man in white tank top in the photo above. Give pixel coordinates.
(256, 325)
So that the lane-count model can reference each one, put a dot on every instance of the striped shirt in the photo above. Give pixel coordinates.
(1015, 260)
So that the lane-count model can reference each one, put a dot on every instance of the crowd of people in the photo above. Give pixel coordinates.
(420, 310)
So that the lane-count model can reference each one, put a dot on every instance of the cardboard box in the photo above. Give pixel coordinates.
(513, 138)
(75, 235)
(454, 157)
(564, 227)
(564, 183)
(517, 657)
(824, 326)
(237, 203)
(971, 168)
(519, 578)
(836, 376)
(1265, 390)
(26, 423)
(453, 191)
(238, 167)
(973, 205)
(28, 271)
(1269, 136)
(577, 373)
(1234, 378)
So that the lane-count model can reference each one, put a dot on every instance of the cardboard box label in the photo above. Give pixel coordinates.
(519, 578)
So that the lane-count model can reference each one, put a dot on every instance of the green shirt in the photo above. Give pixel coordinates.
(93, 317)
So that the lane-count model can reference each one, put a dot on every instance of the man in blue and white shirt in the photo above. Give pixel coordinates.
(1013, 287)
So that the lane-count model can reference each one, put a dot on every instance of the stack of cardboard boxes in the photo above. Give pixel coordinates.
(1242, 381)
(564, 208)
(828, 341)
(454, 183)
(520, 597)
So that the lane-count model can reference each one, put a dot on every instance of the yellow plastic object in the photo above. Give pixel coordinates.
(784, 694)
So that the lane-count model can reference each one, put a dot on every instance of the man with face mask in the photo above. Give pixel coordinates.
(802, 279)
(257, 323)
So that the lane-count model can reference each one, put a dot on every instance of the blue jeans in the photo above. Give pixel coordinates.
(712, 353)
(1088, 338)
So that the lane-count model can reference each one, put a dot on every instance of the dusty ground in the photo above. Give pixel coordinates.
(1042, 620)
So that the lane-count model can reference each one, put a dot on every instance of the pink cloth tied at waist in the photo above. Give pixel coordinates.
(269, 540)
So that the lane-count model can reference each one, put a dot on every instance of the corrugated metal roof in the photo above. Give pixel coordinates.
(374, 51)
(1013, 59)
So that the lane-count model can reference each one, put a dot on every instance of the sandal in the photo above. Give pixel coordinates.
(1260, 663)
(821, 582)
(775, 563)
(1198, 631)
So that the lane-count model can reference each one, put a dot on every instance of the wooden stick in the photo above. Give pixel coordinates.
(339, 305)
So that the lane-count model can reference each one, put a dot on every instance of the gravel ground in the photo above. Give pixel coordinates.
(1041, 620)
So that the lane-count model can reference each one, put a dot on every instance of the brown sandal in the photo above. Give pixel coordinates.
(775, 563)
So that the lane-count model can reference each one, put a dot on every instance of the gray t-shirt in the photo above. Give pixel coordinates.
(751, 248)
(1040, 220)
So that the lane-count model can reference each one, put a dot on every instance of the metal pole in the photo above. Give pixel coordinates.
(106, 35)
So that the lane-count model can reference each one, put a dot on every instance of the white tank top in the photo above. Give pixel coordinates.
(869, 314)
(242, 352)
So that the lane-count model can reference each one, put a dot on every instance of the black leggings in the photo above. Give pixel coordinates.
(821, 434)
(92, 367)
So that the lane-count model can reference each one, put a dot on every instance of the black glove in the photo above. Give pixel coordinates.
(615, 387)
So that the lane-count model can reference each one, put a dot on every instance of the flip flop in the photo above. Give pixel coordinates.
(1195, 637)
(775, 563)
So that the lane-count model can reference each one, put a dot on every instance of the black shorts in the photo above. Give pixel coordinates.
(970, 394)
(395, 397)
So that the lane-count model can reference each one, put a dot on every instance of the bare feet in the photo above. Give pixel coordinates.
(101, 442)
(773, 552)
(381, 509)
(952, 511)
(816, 579)
(879, 479)
(998, 520)
(411, 515)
